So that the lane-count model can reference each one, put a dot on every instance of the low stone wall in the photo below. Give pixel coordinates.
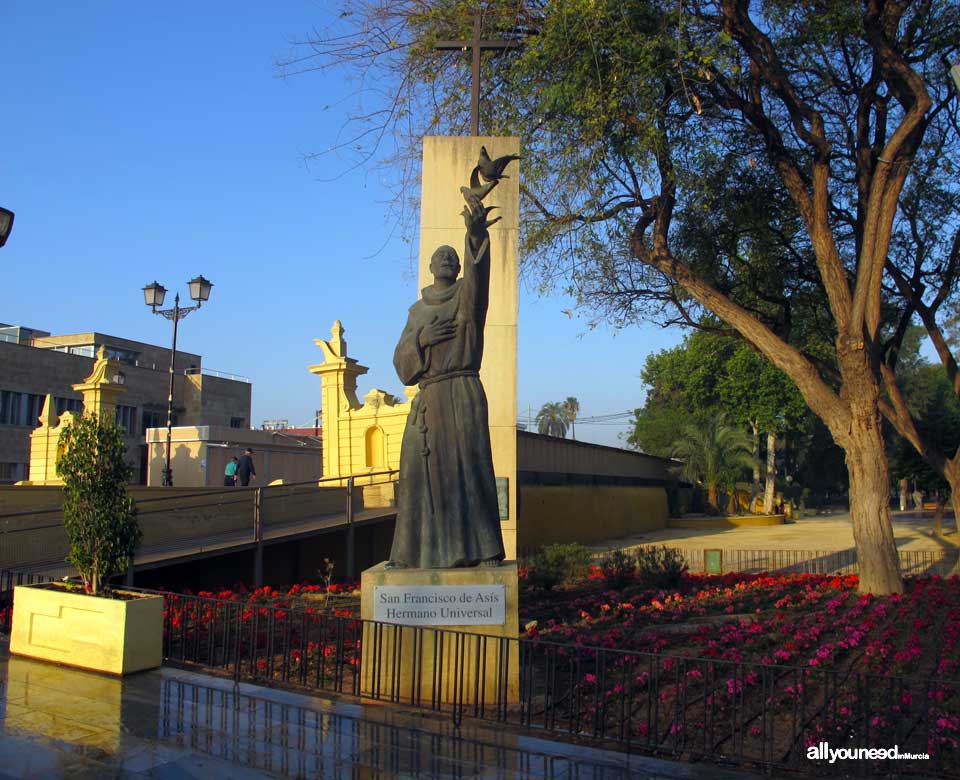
(558, 514)
(734, 521)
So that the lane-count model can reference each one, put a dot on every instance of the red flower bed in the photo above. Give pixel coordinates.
(288, 635)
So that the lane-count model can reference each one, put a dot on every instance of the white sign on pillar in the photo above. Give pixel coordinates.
(447, 163)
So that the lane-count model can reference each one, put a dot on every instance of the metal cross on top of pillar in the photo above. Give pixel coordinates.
(476, 45)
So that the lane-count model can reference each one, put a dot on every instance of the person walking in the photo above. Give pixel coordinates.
(230, 472)
(245, 469)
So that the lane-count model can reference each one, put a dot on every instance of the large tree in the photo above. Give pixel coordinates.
(923, 268)
(628, 110)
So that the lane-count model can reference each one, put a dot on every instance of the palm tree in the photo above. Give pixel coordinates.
(552, 419)
(572, 408)
(715, 453)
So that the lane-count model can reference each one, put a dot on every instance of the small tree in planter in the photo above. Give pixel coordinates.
(113, 633)
(99, 517)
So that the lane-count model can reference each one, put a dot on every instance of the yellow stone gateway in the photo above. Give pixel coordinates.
(358, 437)
(101, 391)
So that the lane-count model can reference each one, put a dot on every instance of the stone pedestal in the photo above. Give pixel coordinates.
(440, 646)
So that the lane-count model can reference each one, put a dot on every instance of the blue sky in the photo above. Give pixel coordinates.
(149, 140)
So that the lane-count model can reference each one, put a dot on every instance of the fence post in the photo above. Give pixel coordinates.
(258, 538)
(351, 564)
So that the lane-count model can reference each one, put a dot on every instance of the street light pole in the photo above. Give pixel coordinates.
(153, 296)
(167, 471)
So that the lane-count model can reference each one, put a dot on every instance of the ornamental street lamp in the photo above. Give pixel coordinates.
(153, 295)
(6, 225)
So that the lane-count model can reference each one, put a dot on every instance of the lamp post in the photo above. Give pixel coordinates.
(153, 295)
(6, 225)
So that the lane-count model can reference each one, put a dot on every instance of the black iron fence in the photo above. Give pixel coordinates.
(755, 715)
(913, 563)
(8, 581)
(750, 714)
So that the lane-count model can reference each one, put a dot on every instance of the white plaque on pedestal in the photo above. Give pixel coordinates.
(440, 605)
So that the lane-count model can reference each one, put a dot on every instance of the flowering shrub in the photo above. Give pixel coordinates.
(660, 567)
(618, 568)
(554, 565)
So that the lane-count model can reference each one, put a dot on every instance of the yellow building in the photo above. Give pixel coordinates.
(568, 491)
(358, 437)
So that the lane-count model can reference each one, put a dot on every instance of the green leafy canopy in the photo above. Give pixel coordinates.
(99, 517)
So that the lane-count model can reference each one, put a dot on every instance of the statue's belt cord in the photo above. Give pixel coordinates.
(453, 374)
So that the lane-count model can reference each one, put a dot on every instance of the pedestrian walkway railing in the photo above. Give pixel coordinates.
(754, 715)
(181, 519)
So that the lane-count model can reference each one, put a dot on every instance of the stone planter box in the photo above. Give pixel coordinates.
(115, 636)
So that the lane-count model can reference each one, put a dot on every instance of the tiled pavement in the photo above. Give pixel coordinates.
(63, 723)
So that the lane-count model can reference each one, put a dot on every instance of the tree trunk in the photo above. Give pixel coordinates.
(952, 474)
(713, 498)
(733, 504)
(938, 516)
(755, 486)
(877, 556)
(768, 494)
(955, 503)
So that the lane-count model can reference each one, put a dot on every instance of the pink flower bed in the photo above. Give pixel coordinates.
(781, 644)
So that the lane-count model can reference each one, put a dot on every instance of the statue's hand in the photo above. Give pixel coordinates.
(436, 331)
(474, 214)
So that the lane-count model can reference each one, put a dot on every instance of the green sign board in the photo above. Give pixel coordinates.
(713, 561)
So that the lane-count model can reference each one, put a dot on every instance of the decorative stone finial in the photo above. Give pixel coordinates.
(101, 389)
(338, 343)
(49, 417)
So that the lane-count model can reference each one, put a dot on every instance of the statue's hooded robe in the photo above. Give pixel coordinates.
(447, 511)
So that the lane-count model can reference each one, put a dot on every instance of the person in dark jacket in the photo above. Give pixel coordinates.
(245, 469)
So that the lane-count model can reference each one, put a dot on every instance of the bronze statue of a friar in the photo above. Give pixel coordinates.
(447, 513)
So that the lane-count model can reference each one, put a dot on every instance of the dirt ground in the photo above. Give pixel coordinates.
(830, 531)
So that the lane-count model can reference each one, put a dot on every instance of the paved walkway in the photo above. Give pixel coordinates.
(63, 723)
(824, 532)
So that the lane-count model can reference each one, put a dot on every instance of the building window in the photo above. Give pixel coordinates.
(87, 350)
(13, 472)
(11, 403)
(127, 419)
(34, 407)
(18, 408)
(123, 355)
(68, 405)
(237, 422)
(152, 419)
